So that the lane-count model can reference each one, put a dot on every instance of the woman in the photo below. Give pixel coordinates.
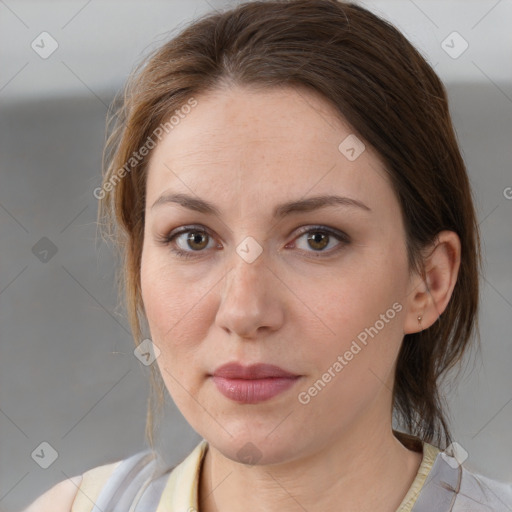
(297, 226)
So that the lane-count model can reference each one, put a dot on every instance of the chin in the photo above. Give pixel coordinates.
(256, 448)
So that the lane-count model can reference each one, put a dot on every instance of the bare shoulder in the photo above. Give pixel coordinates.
(57, 499)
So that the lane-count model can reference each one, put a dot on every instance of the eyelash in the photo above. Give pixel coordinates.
(168, 239)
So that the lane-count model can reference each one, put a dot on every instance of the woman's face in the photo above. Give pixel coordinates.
(319, 292)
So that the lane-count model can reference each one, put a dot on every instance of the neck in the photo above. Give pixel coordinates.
(371, 472)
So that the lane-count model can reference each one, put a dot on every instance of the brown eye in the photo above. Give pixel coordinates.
(197, 240)
(188, 242)
(318, 240)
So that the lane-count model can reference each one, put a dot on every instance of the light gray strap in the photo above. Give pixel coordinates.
(441, 486)
(152, 493)
(125, 483)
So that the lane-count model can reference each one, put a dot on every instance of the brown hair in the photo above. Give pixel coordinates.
(391, 98)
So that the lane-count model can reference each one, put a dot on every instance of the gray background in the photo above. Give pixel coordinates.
(68, 375)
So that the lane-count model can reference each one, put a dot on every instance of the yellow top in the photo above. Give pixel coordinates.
(181, 489)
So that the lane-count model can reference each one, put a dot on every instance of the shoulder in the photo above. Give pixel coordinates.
(90, 487)
(57, 499)
(120, 483)
(471, 490)
(452, 485)
(477, 490)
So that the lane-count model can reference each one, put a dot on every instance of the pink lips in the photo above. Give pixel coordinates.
(252, 384)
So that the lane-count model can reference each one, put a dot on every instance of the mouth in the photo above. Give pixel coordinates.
(254, 383)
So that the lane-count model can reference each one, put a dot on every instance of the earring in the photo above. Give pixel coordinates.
(419, 321)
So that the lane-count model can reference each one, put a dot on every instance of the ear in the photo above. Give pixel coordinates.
(429, 294)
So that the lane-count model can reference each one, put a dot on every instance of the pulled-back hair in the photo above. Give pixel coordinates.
(392, 99)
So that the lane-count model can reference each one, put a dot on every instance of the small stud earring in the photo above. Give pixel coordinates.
(419, 321)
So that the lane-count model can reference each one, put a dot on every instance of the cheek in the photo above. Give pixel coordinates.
(177, 320)
(357, 317)
(176, 310)
(340, 305)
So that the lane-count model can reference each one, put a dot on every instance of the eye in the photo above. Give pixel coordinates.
(190, 241)
(320, 237)
(195, 241)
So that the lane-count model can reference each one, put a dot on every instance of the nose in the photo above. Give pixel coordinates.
(250, 301)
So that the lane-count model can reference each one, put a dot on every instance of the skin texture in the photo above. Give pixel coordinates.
(57, 499)
(295, 305)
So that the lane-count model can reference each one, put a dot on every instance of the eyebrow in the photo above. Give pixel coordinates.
(280, 211)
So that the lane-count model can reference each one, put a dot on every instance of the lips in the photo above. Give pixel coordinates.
(252, 384)
(254, 371)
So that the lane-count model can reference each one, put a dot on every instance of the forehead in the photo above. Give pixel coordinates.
(274, 142)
